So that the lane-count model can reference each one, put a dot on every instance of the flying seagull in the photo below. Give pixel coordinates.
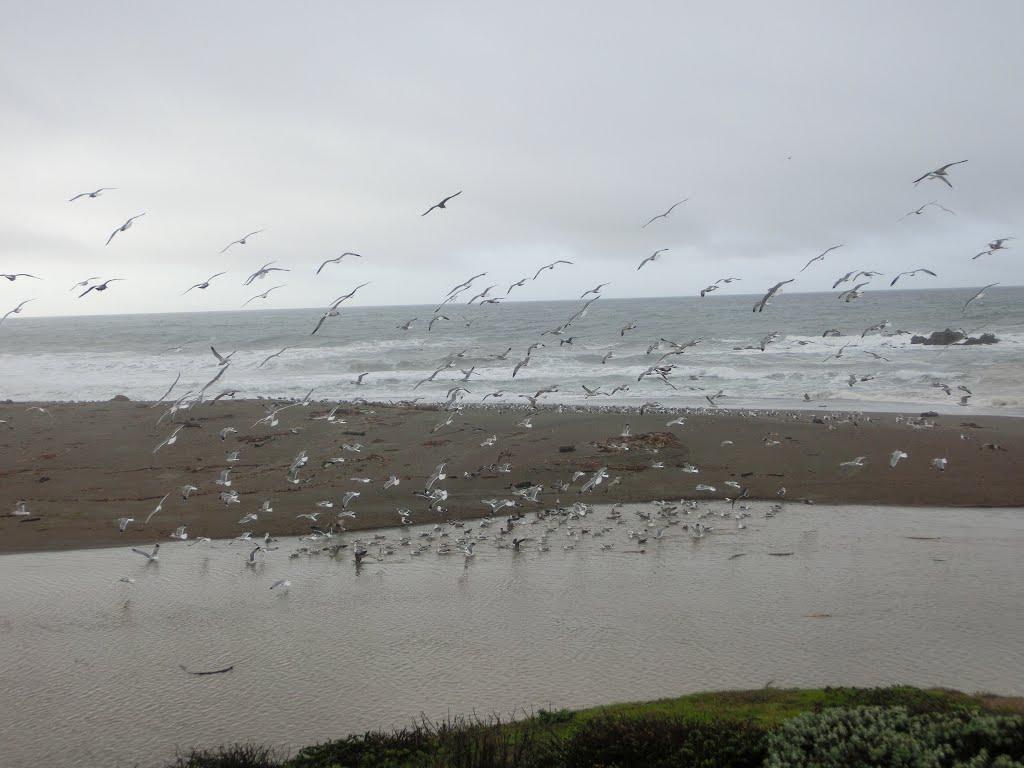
(821, 256)
(919, 211)
(440, 205)
(263, 271)
(911, 273)
(206, 283)
(100, 286)
(760, 305)
(151, 557)
(221, 359)
(652, 257)
(665, 214)
(337, 260)
(83, 283)
(939, 173)
(16, 275)
(550, 266)
(271, 357)
(995, 245)
(124, 227)
(979, 295)
(94, 194)
(264, 294)
(159, 506)
(464, 285)
(240, 241)
(332, 310)
(16, 310)
(595, 290)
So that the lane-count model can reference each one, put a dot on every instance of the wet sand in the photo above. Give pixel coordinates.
(81, 466)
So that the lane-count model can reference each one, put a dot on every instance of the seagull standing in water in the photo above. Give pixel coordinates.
(241, 241)
(665, 214)
(442, 205)
(124, 227)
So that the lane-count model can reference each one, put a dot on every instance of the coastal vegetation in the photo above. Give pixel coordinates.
(774, 728)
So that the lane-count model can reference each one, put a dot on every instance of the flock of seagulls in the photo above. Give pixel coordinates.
(462, 538)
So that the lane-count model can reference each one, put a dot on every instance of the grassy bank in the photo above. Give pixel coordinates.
(840, 727)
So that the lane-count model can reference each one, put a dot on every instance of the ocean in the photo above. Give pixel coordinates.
(96, 358)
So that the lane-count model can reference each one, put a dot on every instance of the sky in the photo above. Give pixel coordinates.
(789, 126)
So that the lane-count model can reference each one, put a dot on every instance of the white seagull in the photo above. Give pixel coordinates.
(337, 260)
(940, 174)
(442, 205)
(94, 194)
(241, 241)
(666, 213)
(653, 257)
(124, 227)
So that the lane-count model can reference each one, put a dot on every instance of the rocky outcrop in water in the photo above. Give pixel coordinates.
(949, 336)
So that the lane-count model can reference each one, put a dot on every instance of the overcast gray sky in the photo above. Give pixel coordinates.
(791, 126)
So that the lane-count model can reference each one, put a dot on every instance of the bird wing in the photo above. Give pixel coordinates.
(321, 322)
(140, 552)
(947, 166)
(91, 287)
(112, 235)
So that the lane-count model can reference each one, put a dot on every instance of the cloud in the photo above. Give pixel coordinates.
(790, 126)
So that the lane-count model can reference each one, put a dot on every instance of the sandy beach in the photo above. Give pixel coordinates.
(80, 467)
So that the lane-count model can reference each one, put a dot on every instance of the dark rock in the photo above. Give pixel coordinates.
(567, 449)
(119, 399)
(929, 414)
(985, 338)
(949, 336)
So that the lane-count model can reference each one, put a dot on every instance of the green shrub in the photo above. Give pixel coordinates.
(237, 756)
(658, 741)
(873, 736)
